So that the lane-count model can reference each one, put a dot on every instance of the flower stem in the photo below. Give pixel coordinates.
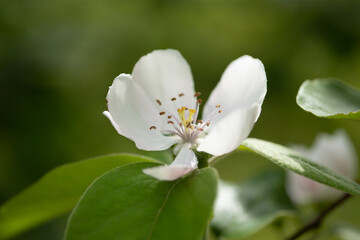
(202, 158)
(215, 159)
(320, 218)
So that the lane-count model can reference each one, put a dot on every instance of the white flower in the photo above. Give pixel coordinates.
(156, 107)
(335, 152)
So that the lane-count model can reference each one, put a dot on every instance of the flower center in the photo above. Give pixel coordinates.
(185, 125)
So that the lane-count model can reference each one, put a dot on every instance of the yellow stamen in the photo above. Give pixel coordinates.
(191, 113)
(181, 112)
(189, 120)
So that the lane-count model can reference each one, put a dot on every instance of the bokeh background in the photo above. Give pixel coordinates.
(58, 58)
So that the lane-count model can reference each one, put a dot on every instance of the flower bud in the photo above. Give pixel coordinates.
(335, 152)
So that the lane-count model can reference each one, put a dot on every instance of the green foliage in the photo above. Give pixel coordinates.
(330, 99)
(245, 208)
(127, 204)
(56, 193)
(290, 160)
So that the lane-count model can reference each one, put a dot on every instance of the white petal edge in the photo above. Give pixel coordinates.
(242, 85)
(132, 114)
(108, 115)
(184, 163)
(227, 134)
(164, 74)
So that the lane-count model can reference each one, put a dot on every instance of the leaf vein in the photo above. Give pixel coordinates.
(161, 208)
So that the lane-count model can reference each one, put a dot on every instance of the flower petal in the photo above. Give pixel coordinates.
(132, 114)
(241, 86)
(227, 134)
(239, 93)
(164, 74)
(184, 163)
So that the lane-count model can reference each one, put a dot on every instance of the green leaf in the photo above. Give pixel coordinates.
(56, 193)
(290, 160)
(126, 204)
(165, 156)
(243, 209)
(329, 98)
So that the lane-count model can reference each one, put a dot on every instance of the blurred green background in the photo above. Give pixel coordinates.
(58, 58)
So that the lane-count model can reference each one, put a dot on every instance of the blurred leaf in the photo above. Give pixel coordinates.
(290, 160)
(56, 192)
(243, 209)
(127, 204)
(329, 98)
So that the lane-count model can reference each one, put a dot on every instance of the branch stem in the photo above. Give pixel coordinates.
(320, 218)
